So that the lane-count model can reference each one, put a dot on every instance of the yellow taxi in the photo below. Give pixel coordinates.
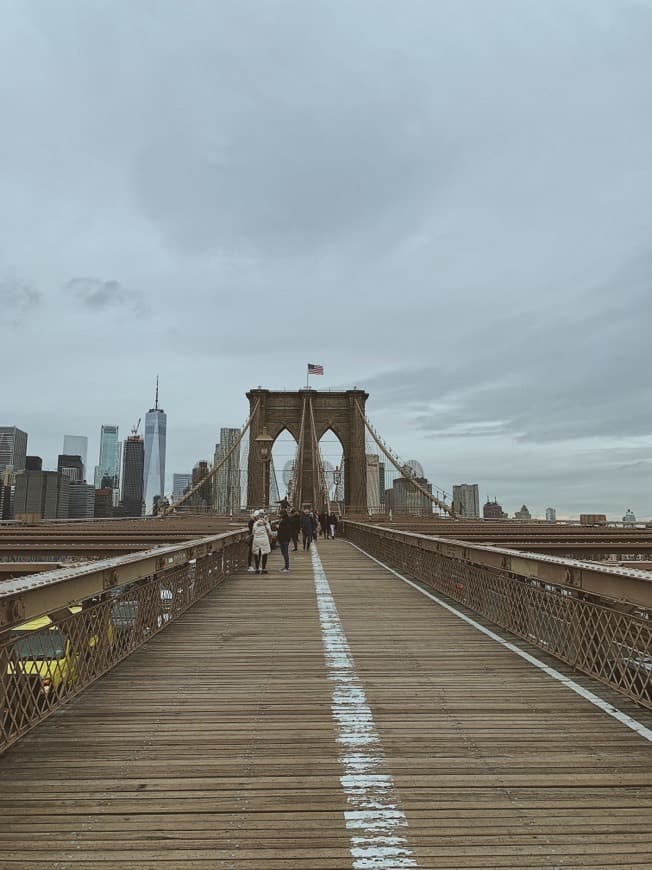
(43, 654)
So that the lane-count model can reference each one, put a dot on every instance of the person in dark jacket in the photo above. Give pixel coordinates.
(284, 536)
(323, 522)
(306, 528)
(295, 520)
(332, 524)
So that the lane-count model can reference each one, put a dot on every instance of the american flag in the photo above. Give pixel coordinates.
(314, 369)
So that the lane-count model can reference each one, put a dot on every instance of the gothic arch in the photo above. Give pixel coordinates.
(278, 410)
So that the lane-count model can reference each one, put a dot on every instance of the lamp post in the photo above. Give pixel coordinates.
(264, 442)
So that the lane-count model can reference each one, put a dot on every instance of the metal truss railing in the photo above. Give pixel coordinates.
(49, 656)
(609, 639)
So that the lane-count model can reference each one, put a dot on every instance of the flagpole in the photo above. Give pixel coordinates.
(307, 378)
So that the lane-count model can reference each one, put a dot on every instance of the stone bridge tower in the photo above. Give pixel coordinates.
(279, 410)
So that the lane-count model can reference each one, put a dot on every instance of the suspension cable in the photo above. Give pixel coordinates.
(213, 471)
(442, 505)
(319, 460)
(298, 461)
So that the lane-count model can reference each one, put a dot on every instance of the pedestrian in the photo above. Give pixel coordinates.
(284, 536)
(332, 524)
(323, 523)
(295, 520)
(261, 543)
(252, 519)
(315, 524)
(306, 528)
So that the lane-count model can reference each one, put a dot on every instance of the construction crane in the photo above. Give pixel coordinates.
(134, 429)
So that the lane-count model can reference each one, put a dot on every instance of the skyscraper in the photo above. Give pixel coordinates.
(403, 498)
(77, 445)
(155, 435)
(227, 480)
(109, 464)
(493, 511)
(551, 515)
(466, 500)
(81, 500)
(42, 493)
(179, 484)
(71, 466)
(132, 476)
(13, 448)
(202, 500)
(373, 483)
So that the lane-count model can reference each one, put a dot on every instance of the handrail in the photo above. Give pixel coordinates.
(580, 612)
(619, 585)
(94, 616)
(28, 597)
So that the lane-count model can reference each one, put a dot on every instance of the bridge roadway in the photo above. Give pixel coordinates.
(261, 730)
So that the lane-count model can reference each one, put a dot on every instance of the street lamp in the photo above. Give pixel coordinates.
(264, 442)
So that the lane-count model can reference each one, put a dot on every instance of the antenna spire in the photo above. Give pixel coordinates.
(156, 403)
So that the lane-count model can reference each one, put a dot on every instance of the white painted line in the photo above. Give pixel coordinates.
(634, 724)
(374, 819)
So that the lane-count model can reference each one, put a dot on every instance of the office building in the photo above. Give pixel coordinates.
(132, 476)
(103, 503)
(13, 448)
(593, 519)
(155, 438)
(81, 500)
(493, 511)
(41, 495)
(180, 482)
(6, 500)
(629, 520)
(226, 483)
(373, 483)
(7, 492)
(109, 463)
(71, 466)
(403, 498)
(33, 463)
(381, 484)
(523, 515)
(77, 445)
(202, 500)
(466, 500)
(551, 515)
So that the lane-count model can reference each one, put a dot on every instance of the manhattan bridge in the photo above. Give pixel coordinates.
(426, 690)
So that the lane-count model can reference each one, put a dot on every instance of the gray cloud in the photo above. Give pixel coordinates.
(99, 295)
(18, 297)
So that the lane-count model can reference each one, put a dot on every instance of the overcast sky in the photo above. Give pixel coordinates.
(448, 203)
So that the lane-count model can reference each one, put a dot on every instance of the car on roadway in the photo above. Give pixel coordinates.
(42, 656)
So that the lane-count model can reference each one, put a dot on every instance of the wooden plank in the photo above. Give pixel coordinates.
(214, 744)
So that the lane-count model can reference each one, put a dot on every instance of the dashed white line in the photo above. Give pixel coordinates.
(375, 820)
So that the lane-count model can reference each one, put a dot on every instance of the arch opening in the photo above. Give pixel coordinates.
(282, 469)
(331, 450)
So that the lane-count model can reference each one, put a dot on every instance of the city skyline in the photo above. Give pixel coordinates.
(511, 502)
(474, 189)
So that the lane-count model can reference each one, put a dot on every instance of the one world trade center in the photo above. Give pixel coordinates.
(154, 470)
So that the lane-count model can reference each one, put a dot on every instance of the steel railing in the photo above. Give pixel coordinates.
(61, 630)
(609, 639)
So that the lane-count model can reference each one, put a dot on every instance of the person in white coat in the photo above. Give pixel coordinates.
(260, 544)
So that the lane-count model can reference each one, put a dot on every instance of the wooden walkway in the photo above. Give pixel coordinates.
(219, 745)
